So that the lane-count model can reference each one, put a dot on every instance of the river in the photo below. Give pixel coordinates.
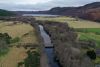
(43, 15)
(48, 48)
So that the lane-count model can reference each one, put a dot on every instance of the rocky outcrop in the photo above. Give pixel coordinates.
(67, 50)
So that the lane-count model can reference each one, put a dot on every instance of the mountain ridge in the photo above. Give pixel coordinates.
(89, 11)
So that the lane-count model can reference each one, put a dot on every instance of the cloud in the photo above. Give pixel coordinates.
(71, 2)
(24, 1)
(41, 4)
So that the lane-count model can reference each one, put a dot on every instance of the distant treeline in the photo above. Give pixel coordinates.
(6, 13)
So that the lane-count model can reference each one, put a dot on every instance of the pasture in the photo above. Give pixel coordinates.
(26, 35)
(73, 22)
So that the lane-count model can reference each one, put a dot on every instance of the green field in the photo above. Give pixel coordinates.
(90, 34)
(89, 30)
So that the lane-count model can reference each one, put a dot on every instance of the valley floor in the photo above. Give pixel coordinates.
(27, 36)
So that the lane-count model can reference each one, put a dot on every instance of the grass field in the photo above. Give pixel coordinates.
(15, 30)
(89, 30)
(91, 34)
(75, 23)
(26, 33)
(14, 56)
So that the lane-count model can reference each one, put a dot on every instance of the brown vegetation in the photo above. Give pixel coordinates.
(68, 50)
(17, 54)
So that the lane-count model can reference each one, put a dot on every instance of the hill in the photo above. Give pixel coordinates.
(89, 11)
(6, 13)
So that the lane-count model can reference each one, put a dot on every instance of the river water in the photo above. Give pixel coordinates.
(43, 15)
(49, 51)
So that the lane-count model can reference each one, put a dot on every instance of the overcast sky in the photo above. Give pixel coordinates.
(40, 4)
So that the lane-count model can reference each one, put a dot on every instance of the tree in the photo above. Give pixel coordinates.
(5, 37)
(4, 43)
(32, 60)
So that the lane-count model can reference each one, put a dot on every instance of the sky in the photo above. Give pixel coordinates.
(36, 5)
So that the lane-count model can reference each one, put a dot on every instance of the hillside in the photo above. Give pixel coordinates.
(6, 13)
(89, 11)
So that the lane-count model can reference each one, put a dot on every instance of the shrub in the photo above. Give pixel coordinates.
(4, 43)
(20, 64)
(33, 59)
(5, 37)
(91, 54)
(15, 40)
